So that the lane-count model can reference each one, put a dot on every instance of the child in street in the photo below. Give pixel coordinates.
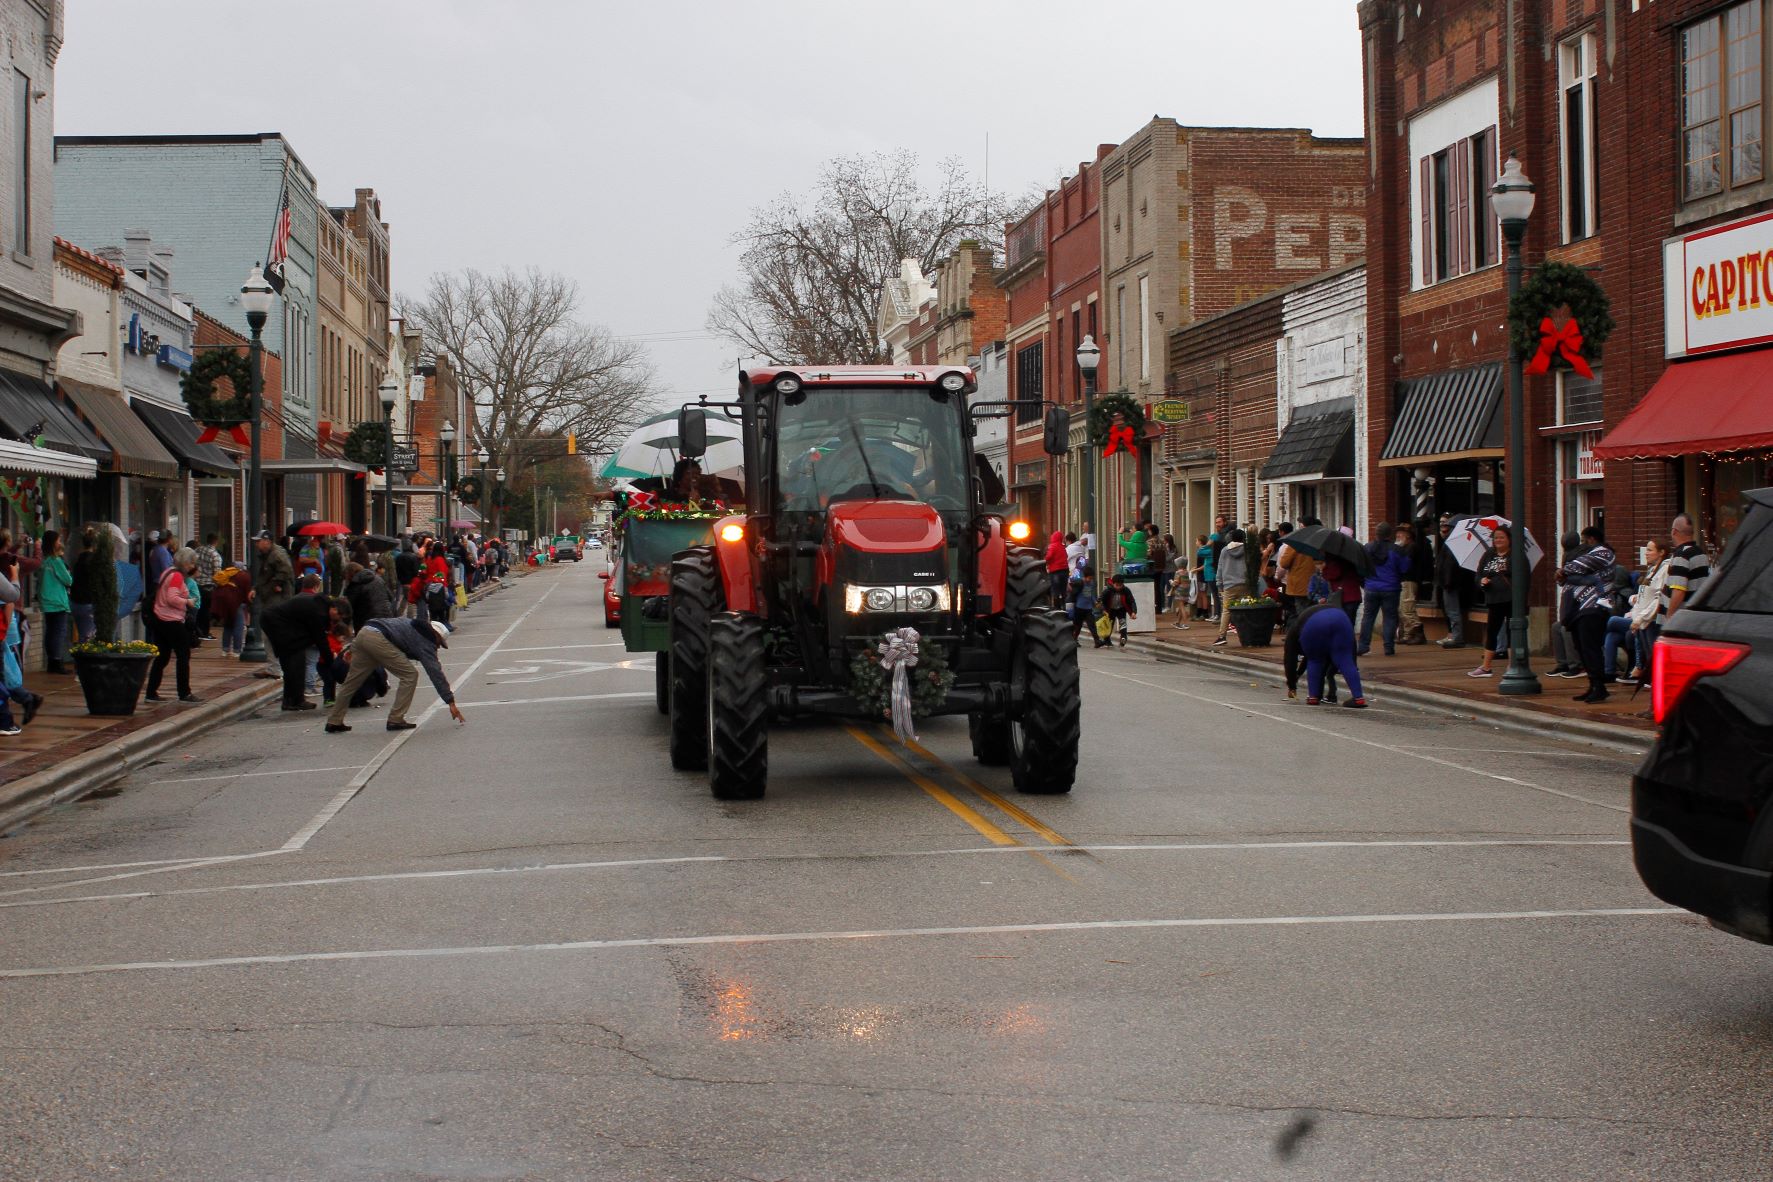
(1117, 601)
(1080, 602)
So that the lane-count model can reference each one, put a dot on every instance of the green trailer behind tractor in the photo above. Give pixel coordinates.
(640, 580)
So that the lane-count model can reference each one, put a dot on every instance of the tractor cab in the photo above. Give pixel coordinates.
(871, 517)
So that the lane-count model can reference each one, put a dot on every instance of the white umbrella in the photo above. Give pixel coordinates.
(1471, 537)
(653, 448)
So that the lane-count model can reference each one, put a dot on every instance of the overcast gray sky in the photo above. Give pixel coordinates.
(623, 143)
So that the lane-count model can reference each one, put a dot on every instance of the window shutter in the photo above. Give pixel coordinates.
(1426, 204)
(1460, 232)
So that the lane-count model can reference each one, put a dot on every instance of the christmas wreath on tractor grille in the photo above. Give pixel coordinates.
(872, 685)
(469, 489)
(1103, 412)
(367, 444)
(1559, 317)
(198, 388)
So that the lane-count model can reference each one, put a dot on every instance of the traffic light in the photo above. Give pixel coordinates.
(572, 444)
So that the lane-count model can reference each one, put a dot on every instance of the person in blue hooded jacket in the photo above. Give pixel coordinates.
(1391, 562)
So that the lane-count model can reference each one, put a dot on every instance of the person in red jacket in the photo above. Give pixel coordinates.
(1058, 565)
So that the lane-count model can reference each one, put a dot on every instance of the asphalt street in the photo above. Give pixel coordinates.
(1258, 941)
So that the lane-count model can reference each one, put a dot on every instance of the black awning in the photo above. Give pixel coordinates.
(1449, 416)
(179, 432)
(26, 402)
(1317, 444)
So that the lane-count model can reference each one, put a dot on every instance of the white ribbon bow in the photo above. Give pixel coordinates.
(898, 652)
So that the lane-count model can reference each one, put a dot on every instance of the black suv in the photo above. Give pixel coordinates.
(1702, 803)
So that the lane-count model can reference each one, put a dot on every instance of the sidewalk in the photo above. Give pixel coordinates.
(65, 743)
(1430, 672)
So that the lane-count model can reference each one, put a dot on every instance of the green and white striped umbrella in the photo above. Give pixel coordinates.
(653, 448)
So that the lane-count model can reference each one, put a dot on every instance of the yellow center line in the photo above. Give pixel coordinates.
(1050, 835)
(936, 792)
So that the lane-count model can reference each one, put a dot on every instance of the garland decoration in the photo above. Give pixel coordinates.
(1102, 424)
(1560, 317)
(469, 489)
(871, 682)
(642, 506)
(217, 413)
(367, 444)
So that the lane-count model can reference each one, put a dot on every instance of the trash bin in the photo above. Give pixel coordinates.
(1144, 592)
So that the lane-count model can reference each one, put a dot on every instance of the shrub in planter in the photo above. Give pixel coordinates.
(110, 674)
(1254, 618)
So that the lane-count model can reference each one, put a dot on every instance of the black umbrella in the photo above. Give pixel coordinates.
(376, 543)
(1322, 542)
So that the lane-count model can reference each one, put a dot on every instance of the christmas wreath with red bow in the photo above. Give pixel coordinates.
(1104, 430)
(216, 413)
(1560, 318)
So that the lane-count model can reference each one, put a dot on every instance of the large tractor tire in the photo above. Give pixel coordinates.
(695, 597)
(992, 745)
(738, 707)
(1044, 735)
(662, 681)
(1025, 585)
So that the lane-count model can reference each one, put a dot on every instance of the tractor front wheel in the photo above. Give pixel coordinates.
(1045, 731)
(738, 707)
(695, 597)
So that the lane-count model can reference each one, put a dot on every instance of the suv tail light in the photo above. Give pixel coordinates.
(1678, 662)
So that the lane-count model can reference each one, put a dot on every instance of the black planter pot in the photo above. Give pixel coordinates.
(111, 681)
(1255, 625)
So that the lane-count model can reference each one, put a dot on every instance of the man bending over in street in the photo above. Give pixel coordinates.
(394, 644)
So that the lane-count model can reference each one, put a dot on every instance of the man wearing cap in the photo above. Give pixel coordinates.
(394, 643)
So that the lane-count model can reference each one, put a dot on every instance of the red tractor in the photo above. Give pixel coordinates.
(869, 513)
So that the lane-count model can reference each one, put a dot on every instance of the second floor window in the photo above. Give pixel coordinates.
(1459, 233)
(1030, 387)
(1721, 101)
(1576, 75)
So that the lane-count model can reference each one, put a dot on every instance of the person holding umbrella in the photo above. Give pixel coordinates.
(1498, 593)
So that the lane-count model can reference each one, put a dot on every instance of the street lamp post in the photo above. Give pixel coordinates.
(1088, 356)
(255, 297)
(1512, 199)
(499, 507)
(447, 434)
(389, 391)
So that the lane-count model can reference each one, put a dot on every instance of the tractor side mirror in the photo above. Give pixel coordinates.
(692, 433)
(1058, 431)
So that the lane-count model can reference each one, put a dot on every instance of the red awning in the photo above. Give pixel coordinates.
(1703, 407)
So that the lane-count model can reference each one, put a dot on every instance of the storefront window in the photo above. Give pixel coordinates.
(1731, 481)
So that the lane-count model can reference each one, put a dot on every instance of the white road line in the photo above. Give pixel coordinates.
(1345, 736)
(188, 864)
(634, 863)
(306, 833)
(294, 771)
(99, 866)
(554, 648)
(1008, 929)
(566, 698)
(1623, 758)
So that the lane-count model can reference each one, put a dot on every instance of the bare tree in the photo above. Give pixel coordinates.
(814, 268)
(530, 367)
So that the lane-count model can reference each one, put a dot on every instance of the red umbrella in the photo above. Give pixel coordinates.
(322, 529)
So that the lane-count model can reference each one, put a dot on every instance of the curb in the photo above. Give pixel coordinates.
(89, 771)
(1600, 734)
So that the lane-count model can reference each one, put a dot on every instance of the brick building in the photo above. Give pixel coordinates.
(966, 313)
(1641, 126)
(1052, 285)
(353, 305)
(1196, 221)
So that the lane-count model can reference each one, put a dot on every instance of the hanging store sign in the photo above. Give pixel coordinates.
(1588, 465)
(1169, 412)
(406, 459)
(1717, 287)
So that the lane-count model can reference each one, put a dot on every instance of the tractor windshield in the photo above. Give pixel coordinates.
(847, 443)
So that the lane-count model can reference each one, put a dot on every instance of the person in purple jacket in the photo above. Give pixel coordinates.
(1391, 562)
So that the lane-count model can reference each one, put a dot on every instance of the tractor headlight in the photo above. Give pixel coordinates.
(953, 382)
(921, 599)
(787, 385)
(880, 599)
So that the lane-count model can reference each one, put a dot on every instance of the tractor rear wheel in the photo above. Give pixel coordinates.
(1025, 586)
(662, 681)
(1044, 733)
(738, 707)
(992, 745)
(695, 597)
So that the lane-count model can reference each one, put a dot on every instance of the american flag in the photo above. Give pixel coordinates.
(279, 244)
